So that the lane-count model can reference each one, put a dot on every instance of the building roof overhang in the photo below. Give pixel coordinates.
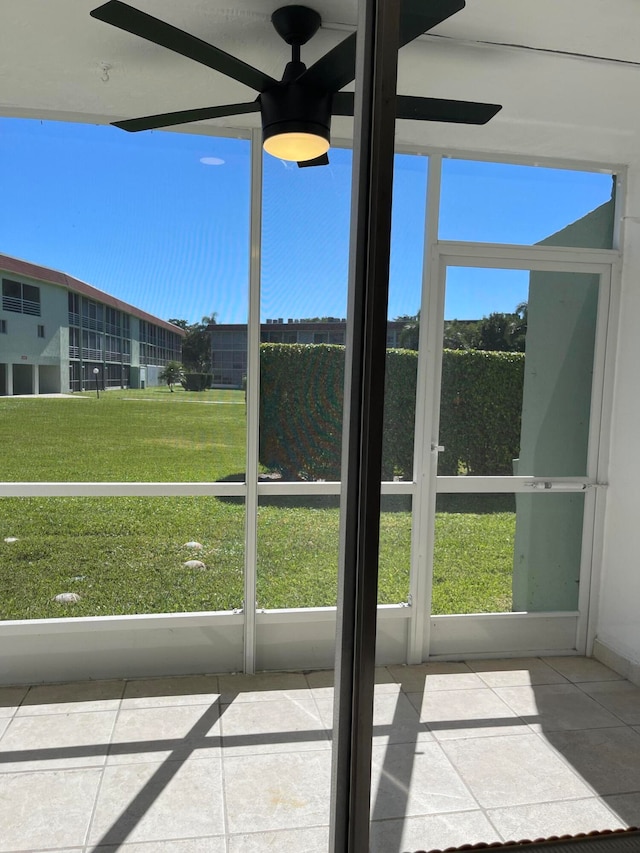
(26, 269)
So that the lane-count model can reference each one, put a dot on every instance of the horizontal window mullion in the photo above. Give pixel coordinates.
(328, 487)
(505, 485)
(164, 489)
(58, 489)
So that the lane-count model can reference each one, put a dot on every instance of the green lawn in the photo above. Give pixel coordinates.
(126, 555)
(125, 435)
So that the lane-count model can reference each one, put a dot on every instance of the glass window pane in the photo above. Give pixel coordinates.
(502, 553)
(305, 253)
(298, 544)
(120, 556)
(11, 288)
(178, 250)
(504, 203)
(298, 540)
(516, 382)
(395, 549)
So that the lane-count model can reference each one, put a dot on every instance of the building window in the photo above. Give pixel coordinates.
(113, 322)
(3, 327)
(92, 315)
(74, 309)
(74, 344)
(92, 346)
(41, 331)
(21, 298)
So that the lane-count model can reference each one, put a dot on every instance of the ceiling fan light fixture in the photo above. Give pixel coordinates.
(296, 122)
(297, 146)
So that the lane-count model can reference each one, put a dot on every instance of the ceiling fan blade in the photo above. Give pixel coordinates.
(342, 104)
(183, 116)
(338, 67)
(426, 109)
(419, 17)
(322, 160)
(138, 23)
(438, 109)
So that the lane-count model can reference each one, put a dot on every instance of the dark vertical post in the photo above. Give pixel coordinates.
(376, 72)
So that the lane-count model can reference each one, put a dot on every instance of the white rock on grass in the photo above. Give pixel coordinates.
(67, 598)
(10, 539)
(196, 546)
(194, 564)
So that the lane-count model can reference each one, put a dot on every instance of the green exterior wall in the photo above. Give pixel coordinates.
(562, 315)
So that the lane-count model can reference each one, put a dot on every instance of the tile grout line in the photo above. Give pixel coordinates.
(328, 732)
(444, 754)
(601, 704)
(530, 725)
(94, 808)
(12, 716)
(540, 734)
(526, 731)
(223, 780)
(480, 807)
(565, 761)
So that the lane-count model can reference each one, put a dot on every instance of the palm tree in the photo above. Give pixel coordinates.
(519, 327)
(172, 374)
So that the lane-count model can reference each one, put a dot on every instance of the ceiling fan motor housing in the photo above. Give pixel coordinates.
(293, 108)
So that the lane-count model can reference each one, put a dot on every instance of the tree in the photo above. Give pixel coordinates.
(172, 374)
(497, 332)
(196, 344)
(410, 334)
(460, 334)
(210, 319)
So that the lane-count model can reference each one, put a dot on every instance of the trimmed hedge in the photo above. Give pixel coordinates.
(480, 411)
(197, 381)
(301, 411)
(301, 389)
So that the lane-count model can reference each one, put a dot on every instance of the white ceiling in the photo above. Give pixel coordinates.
(501, 51)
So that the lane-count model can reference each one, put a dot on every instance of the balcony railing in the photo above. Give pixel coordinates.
(21, 306)
(91, 354)
(91, 323)
(29, 307)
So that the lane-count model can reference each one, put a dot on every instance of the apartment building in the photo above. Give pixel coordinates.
(229, 342)
(56, 331)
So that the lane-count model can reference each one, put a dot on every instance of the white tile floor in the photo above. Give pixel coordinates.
(463, 752)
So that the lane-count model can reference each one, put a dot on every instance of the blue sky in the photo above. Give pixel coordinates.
(156, 220)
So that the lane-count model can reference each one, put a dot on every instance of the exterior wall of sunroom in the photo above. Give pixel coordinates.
(273, 639)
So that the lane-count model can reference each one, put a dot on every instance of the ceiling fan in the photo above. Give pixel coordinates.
(296, 111)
